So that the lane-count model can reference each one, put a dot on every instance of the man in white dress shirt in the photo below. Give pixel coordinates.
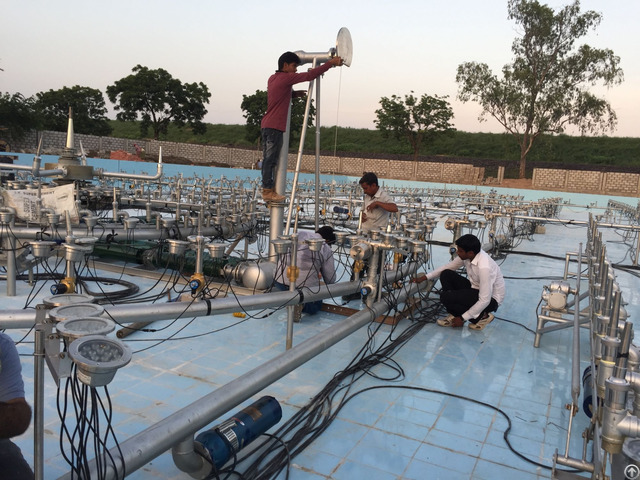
(474, 297)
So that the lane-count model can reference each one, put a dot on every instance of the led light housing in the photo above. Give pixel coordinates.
(67, 299)
(76, 310)
(74, 328)
(216, 250)
(177, 247)
(98, 358)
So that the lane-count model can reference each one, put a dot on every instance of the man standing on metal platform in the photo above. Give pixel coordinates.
(274, 122)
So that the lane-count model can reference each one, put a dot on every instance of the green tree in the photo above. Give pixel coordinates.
(89, 110)
(545, 88)
(17, 116)
(417, 120)
(159, 99)
(255, 106)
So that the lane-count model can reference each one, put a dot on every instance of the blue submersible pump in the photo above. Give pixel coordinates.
(223, 441)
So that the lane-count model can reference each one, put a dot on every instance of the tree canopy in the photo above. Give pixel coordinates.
(413, 119)
(546, 87)
(255, 106)
(17, 116)
(89, 110)
(159, 99)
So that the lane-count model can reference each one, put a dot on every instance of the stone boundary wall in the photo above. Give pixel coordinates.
(586, 181)
(579, 181)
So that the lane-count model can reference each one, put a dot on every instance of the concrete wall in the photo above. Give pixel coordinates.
(587, 181)
(608, 183)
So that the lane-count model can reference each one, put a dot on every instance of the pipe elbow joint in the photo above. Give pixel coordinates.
(187, 460)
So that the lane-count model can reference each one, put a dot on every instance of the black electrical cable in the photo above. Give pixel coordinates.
(314, 418)
(505, 435)
(90, 411)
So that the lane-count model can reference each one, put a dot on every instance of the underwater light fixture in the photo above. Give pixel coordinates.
(315, 244)
(341, 238)
(281, 245)
(74, 328)
(130, 223)
(75, 310)
(76, 252)
(216, 250)
(67, 299)
(417, 246)
(177, 247)
(42, 248)
(353, 239)
(98, 358)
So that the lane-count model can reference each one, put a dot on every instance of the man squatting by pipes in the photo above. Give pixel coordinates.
(474, 297)
(274, 122)
(313, 266)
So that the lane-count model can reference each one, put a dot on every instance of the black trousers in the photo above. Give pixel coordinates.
(457, 296)
(12, 464)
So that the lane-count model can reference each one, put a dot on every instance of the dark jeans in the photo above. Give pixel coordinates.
(310, 307)
(271, 145)
(12, 463)
(457, 296)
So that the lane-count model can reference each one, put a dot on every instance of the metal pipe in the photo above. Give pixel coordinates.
(35, 167)
(8, 219)
(10, 249)
(317, 189)
(143, 447)
(575, 357)
(100, 173)
(575, 370)
(142, 232)
(296, 173)
(581, 465)
(277, 210)
(38, 394)
(167, 311)
(293, 267)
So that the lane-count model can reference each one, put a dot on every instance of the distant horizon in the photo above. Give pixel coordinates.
(375, 129)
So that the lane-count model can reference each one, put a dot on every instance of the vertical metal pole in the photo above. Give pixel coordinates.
(575, 364)
(277, 210)
(38, 395)
(317, 192)
(293, 263)
(10, 242)
(575, 377)
(303, 134)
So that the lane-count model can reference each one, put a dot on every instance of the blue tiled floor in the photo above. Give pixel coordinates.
(388, 433)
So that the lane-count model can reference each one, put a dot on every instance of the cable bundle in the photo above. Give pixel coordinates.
(88, 437)
(315, 417)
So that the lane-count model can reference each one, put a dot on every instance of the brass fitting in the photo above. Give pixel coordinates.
(197, 277)
(358, 265)
(70, 284)
(293, 273)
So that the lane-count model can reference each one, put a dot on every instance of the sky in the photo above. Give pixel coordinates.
(399, 47)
